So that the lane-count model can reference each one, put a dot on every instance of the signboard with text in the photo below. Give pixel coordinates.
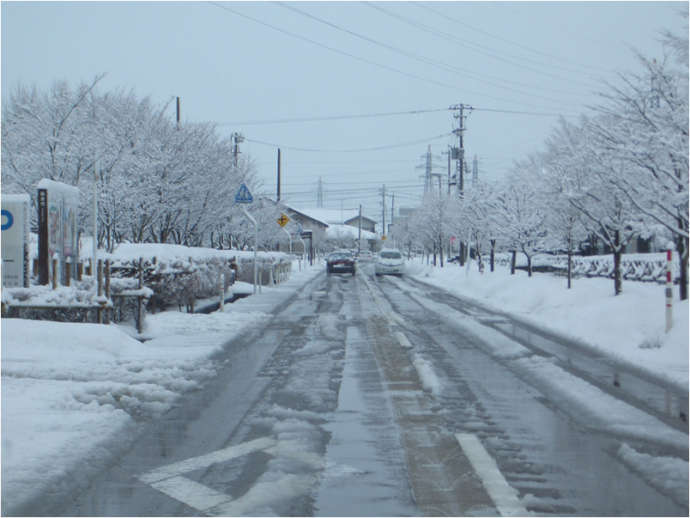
(15, 240)
(58, 204)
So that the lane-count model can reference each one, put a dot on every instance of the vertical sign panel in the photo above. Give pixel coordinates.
(43, 256)
(15, 240)
(58, 204)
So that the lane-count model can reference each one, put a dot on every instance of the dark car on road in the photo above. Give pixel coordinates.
(340, 262)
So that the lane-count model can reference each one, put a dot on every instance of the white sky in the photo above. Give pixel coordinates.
(235, 63)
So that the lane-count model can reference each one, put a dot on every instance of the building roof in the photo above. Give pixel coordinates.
(347, 231)
(330, 216)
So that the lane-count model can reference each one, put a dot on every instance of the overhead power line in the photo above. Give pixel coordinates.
(423, 5)
(429, 61)
(472, 46)
(295, 120)
(331, 117)
(332, 49)
(356, 150)
(520, 112)
(455, 88)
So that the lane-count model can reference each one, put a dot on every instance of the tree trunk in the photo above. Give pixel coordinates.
(570, 262)
(617, 253)
(529, 265)
(493, 250)
(512, 262)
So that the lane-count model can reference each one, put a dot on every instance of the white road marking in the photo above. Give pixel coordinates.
(264, 494)
(191, 493)
(203, 461)
(394, 317)
(505, 497)
(168, 479)
(404, 342)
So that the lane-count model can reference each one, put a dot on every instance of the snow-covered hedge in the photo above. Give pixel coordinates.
(635, 267)
(178, 274)
(173, 275)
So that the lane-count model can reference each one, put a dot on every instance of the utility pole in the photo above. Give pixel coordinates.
(319, 194)
(459, 152)
(392, 208)
(237, 139)
(383, 211)
(278, 193)
(459, 156)
(178, 113)
(427, 176)
(359, 233)
(449, 180)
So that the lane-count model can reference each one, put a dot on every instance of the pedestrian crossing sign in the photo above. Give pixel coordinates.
(243, 195)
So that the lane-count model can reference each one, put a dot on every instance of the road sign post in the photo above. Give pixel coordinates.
(307, 234)
(245, 197)
(289, 237)
(282, 221)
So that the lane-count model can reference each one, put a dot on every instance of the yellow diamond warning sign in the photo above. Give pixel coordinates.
(283, 220)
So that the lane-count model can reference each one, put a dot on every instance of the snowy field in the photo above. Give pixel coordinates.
(69, 391)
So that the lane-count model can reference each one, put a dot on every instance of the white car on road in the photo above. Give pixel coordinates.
(389, 261)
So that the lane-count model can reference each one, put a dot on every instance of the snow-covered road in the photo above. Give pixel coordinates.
(330, 395)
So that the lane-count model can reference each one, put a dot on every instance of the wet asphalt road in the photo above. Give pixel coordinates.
(324, 412)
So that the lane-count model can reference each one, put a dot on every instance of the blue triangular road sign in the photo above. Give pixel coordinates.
(243, 195)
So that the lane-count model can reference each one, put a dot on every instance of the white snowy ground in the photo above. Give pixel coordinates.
(64, 386)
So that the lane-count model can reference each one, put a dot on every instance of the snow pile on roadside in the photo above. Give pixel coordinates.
(670, 475)
(427, 376)
(629, 327)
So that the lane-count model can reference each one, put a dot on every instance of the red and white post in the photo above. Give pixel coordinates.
(669, 290)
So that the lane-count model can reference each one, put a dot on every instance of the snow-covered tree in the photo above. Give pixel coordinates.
(561, 181)
(644, 124)
(518, 213)
(154, 181)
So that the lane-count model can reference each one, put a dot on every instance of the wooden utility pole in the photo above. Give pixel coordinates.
(383, 210)
(237, 139)
(359, 233)
(278, 193)
(460, 152)
(392, 208)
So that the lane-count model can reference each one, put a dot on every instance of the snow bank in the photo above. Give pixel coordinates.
(668, 475)
(629, 327)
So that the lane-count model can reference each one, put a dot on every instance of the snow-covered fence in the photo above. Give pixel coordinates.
(93, 298)
(273, 268)
(175, 280)
(179, 275)
(634, 267)
(170, 275)
(79, 302)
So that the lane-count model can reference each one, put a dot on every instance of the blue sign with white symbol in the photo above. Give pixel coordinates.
(243, 195)
(7, 219)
